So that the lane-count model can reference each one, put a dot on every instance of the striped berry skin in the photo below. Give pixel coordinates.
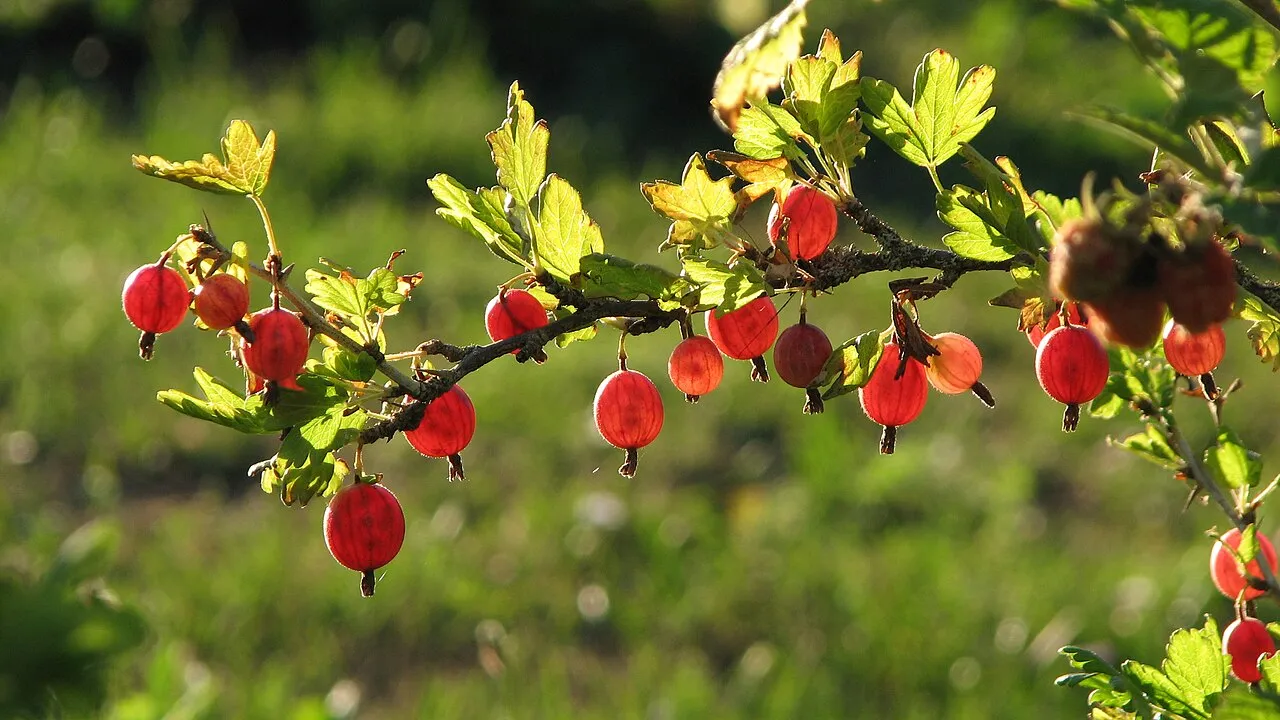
(695, 367)
(893, 402)
(511, 313)
(155, 298)
(279, 347)
(221, 301)
(447, 426)
(1072, 367)
(1194, 354)
(958, 365)
(1247, 641)
(812, 226)
(1036, 333)
(1225, 569)
(628, 414)
(364, 529)
(800, 354)
(747, 332)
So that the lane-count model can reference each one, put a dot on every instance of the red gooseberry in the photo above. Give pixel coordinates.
(514, 312)
(628, 414)
(364, 529)
(1194, 354)
(695, 367)
(1128, 316)
(1072, 368)
(279, 347)
(895, 394)
(155, 299)
(810, 218)
(746, 333)
(1225, 569)
(1053, 320)
(447, 426)
(1200, 286)
(1247, 641)
(957, 365)
(221, 301)
(800, 354)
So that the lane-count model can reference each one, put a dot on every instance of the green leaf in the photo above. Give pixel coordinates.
(246, 170)
(301, 478)
(1240, 702)
(222, 405)
(723, 287)
(1151, 445)
(1264, 333)
(1232, 462)
(945, 109)
(806, 82)
(1248, 548)
(1052, 212)
(852, 363)
(519, 147)
(606, 275)
(755, 65)
(977, 235)
(480, 214)
(768, 131)
(586, 333)
(343, 364)
(565, 231)
(1194, 673)
(701, 209)
(355, 299)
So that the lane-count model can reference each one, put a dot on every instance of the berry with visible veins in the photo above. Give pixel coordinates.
(894, 400)
(221, 301)
(810, 218)
(364, 530)
(1226, 571)
(155, 299)
(1194, 354)
(957, 365)
(447, 426)
(628, 414)
(800, 354)
(1072, 368)
(1053, 320)
(514, 312)
(1247, 641)
(746, 333)
(279, 347)
(695, 367)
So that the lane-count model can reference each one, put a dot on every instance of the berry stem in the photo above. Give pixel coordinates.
(1209, 387)
(629, 463)
(813, 404)
(888, 438)
(759, 370)
(691, 398)
(983, 394)
(455, 468)
(1071, 417)
(367, 581)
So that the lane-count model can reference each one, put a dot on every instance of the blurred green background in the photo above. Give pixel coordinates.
(762, 564)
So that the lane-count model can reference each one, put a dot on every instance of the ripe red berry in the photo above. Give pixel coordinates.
(800, 354)
(1199, 287)
(1247, 641)
(695, 367)
(1053, 321)
(1194, 354)
(957, 366)
(447, 426)
(222, 300)
(1072, 368)
(1089, 259)
(628, 414)
(1128, 316)
(364, 529)
(155, 299)
(894, 401)
(279, 347)
(1225, 569)
(746, 333)
(812, 222)
(514, 312)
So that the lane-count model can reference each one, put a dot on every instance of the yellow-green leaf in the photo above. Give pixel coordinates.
(519, 147)
(565, 231)
(701, 209)
(246, 170)
(755, 65)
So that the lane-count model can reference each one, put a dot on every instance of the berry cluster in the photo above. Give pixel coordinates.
(1246, 640)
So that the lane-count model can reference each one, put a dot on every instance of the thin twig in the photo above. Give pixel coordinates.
(1265, 9)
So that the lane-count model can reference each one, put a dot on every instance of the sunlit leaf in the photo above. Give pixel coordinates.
(565, 231)
(244, 169)
(701, 209)
(519, 147)
(852, 363)
(755, 65)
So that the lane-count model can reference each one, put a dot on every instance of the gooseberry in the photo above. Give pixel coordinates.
(221, 301)
(447, 426)
(279, 347)
(695, 367)
(1072, 368)
(895, 394)
(1053, 321)
(810, 218)
(1194, 354)
(1247, 641)
(800, 354)
(155, 299)
(746, 333)
(514, 312)
(957, 365)
(1199, 287)
(628, 414)
(364, 529)
(1128, 316)
(1224, 566)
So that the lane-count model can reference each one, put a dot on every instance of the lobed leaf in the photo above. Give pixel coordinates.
(1231, 462)
(519, 148)
(723, 287)
(1264, 333)
(755, 64)
(565, 232)
(701, 209)
(606, 275)
(481, 215)
(1151, 445)
(246, 169)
